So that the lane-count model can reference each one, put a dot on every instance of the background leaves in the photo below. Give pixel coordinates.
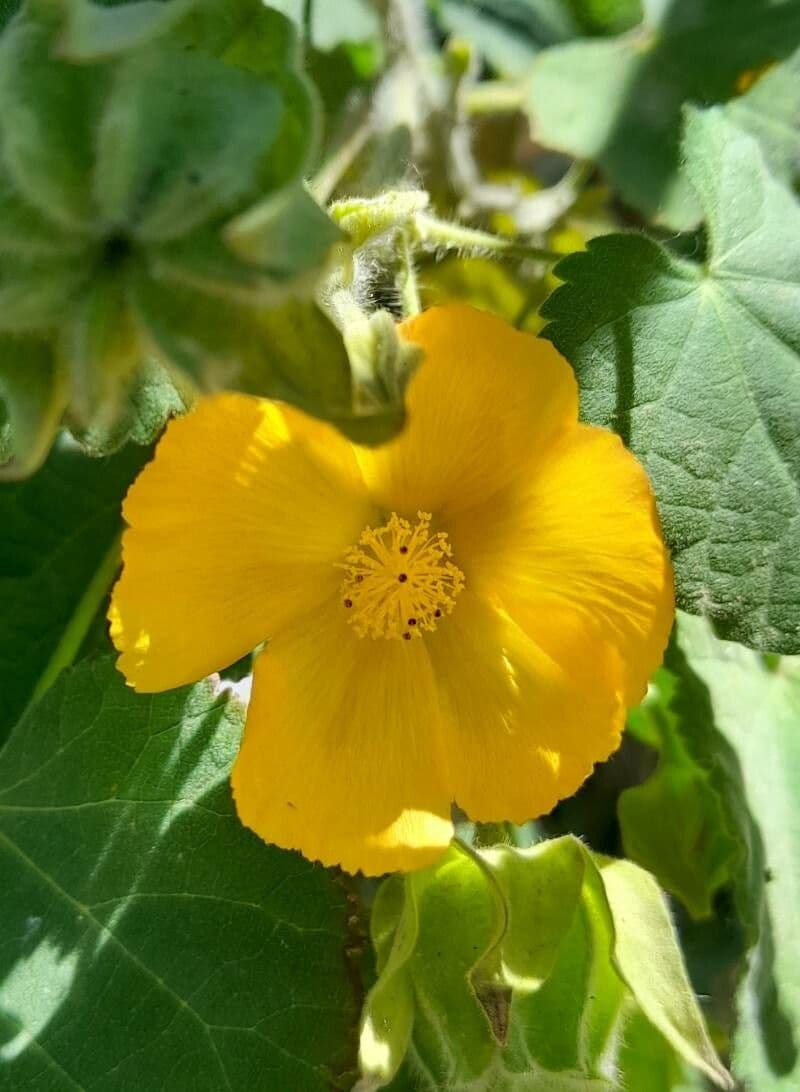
(619, 102)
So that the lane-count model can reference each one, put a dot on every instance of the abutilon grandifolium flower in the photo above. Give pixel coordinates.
(463, 614)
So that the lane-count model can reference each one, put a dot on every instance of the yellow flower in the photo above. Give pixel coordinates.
(463, 614)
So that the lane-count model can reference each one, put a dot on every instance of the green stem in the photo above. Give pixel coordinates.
(457, 237)
(494, 97)
(492, 834)
(407, 280)
(78, 626)
(327, 178)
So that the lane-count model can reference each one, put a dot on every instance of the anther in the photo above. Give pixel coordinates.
(379, 597)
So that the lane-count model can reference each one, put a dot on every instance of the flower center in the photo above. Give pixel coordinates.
(399, 580)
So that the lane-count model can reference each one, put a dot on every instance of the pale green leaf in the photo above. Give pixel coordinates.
(697, 369)
(619, 102)
(389, 1014)
(757, 708)
(514, 969)
(541, 887)
(649, 1064)
(648, 956)
(770, 111)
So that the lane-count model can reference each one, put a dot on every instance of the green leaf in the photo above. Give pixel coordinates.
(58, 528)
(389, 1016)
(756, 706)
(35, 293)
(48, 114)
(697, 369)
(33, 394)
(149, 939)
(619, 102)
(183, 138)
(95, 32)
(510, 32)
(148, 402)
(649, 1064)
(331, 25)
(551, 890)
(151, 155)
(514, 969)
(770, 111)
(647, 954)
(8, 8)
(100, 348)
(703, 847)
(26, 233)
(287, 235)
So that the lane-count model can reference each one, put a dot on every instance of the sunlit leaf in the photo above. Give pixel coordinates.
(147, 928)
(506, 967)
(697, 368)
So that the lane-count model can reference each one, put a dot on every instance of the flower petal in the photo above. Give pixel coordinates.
(573, 552)
(234, 528)
(484, 399)
(342, 755)
(525, 730)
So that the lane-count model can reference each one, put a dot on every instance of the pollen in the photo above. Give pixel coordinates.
(400, 579)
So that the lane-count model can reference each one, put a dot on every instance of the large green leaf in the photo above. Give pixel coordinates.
(59, 530)
(756, 706)
(619, 102)
(149, 940)
(697, 369)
